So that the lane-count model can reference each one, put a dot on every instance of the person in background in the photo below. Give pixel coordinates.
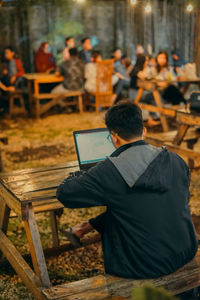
(178, 61)
(91, 72)
(69, 43)
(140, 72)
(4, 89)
(44, 59)
(165, 75)
(126, 62)
(73, 72)
(86, 52)
(119, 78)
(15, 71)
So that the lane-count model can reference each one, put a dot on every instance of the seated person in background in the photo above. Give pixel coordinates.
(91, 72)
(69, 43)
(126, 62)
(73, 72)
(119, 79)
(86, 53)
(147, 229)
(170, 92)
(44, 60)
(178, 62)
(4, 88)
(15, 70)
(140, 72)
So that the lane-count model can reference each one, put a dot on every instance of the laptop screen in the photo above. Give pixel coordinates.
(93, 145)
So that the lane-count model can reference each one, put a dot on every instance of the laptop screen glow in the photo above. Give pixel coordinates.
(93, 146)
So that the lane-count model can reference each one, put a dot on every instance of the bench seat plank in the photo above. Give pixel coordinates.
(106, 287)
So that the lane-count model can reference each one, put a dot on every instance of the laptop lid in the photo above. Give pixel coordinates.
(92, 146)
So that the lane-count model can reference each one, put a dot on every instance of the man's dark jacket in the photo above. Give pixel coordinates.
(148, 226)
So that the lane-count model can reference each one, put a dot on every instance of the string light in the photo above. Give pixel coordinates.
(148, 8)
(80, 1)
(133, 2)
(190, 7)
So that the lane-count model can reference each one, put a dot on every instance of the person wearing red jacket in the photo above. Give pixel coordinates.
(14, 67)
(44, 60)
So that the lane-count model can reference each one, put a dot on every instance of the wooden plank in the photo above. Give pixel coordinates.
(139, 95)
(4, 218)
(41, 169)
(188, 118)
(106, 287)
(183, 128)
(12, 201)
(36, 248)
(21, 267)
(54, 228)
(171, 112)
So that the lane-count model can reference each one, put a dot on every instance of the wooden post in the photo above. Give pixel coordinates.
(162, 118)
(4, 217)
(180, 134)
(54, 228)
(36, 250)
(197, 40)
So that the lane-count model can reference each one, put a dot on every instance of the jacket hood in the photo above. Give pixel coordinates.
(144, 166)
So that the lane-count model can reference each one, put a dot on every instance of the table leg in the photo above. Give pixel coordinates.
(180, 134)
(36, 250)
(139, 95)
(163, 119)
(80, 103)
(4, 218)
(54, 228)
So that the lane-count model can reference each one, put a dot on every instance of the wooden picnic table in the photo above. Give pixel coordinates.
(30, 191)
(35, 97)
(187, 123)
(152, 85)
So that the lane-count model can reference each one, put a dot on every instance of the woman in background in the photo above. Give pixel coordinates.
(44, 60)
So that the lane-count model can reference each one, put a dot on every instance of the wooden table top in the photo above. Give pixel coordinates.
(32, 185)
(43, 77)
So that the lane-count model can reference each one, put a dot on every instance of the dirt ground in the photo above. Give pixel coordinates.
(35, 143)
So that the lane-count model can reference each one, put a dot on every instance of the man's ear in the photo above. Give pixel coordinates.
(144, 131)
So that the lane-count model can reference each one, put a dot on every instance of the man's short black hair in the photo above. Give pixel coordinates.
(85, 39)
(125, 119)
(73, 52)
(11, 48)
(68, 38)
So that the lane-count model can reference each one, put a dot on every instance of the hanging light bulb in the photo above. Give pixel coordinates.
(190, 7)
(80, 1)
(148, 8)
(133, 2)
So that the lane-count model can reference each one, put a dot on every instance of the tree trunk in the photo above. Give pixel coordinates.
(197, 41)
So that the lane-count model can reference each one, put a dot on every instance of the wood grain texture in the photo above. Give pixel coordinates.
(106, 287)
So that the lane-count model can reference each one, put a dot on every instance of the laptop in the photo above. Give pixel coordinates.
(92, 146)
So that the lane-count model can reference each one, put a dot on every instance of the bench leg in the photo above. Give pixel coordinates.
(4, 218)
(183, 128)
(163, 119)
(80, 103)
(54, 228)
(36, 250)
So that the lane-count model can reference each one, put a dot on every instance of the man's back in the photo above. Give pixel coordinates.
(149, 231)
(73, 72)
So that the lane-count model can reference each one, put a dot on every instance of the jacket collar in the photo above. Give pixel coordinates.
(127, 146)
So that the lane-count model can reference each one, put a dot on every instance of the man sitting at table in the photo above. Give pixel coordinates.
(73, 72)
(147, 230)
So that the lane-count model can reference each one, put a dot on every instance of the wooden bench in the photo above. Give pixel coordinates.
(38, 108)
(16, 103)
(108, 287)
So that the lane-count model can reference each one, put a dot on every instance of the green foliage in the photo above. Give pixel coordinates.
(149, 292)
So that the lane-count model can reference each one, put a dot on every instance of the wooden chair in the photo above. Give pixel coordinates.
(104, 88)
